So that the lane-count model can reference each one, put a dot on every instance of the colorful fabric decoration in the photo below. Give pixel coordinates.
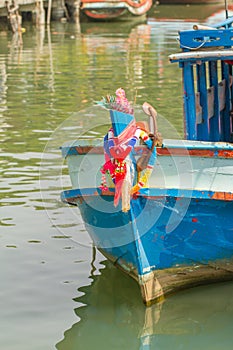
(118, 162)
(120, 166)
(118, 151)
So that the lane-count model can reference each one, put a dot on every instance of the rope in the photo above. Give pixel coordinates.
(192, 48)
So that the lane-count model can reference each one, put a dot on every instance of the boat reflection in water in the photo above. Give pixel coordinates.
(112, 316)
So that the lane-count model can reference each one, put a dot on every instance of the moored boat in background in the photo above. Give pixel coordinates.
(109, 9)
(169, 225)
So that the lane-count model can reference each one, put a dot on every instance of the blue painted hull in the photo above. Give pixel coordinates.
(163, 235)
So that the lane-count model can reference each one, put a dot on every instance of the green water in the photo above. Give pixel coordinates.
(56, 291)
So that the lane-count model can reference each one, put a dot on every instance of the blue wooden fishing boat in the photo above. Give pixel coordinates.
(161, 210)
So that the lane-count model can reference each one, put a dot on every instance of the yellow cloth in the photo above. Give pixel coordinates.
(143, 181)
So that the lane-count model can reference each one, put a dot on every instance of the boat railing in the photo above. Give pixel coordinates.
(224, 24)
(206, 61)
(205, 38)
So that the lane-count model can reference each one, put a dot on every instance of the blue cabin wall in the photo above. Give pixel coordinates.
(214, 122)
(203, 128)
(189, 102)
(207, 85)
(207, 101)
(228, 102)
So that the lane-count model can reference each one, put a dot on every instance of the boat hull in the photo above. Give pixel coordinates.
(177, 247)
(178, 232)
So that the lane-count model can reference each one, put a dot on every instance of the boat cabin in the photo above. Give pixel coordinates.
(206, 61)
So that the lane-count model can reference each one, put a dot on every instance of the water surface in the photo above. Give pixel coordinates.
(56, 291)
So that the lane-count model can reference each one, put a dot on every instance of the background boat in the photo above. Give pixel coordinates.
(108, 9)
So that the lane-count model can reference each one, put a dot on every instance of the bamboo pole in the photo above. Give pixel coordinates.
(49, 12)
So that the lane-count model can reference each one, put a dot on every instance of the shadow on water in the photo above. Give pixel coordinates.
(112, 316)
